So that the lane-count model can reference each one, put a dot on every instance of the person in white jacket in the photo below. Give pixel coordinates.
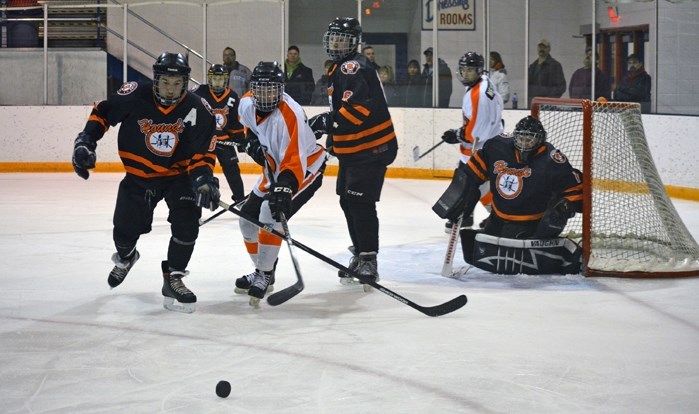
(482, 119)
(498, 75)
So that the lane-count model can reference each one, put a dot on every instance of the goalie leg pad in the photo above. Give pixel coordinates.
(529, 256)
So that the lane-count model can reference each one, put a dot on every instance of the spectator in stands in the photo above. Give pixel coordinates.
(388, 80)
(413, 91)
(299, 77)
(498, 75)
(238, 74)
(368, 51)
(545, 74)
(581, 81)
(444, 76)
(635, 85)
(320, 93)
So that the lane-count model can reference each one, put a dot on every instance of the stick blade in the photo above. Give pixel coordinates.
(416, 153)
(277, 298)
(446, 307)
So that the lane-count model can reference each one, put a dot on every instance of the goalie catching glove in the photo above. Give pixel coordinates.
(555, 219)
(206, 192)
(84, 156)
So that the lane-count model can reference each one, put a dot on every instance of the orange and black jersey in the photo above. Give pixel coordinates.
(155, 142)
(225, 109)
(362, 130)
(522, 191)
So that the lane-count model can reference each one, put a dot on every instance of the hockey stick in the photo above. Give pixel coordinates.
(416, 151)
(437, 310)
(285, 294)
(448, 264)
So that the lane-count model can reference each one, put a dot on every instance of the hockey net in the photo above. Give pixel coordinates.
(629, 226)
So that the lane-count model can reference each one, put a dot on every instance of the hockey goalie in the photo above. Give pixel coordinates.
(535, 191)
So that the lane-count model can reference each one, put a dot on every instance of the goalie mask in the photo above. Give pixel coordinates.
(470, 68)
(218, 78)
(170, 78)
(342, 38)
(528, 136)
(267, 86)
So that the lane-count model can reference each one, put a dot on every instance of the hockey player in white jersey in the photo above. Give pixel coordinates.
(482, 111)
(279, 139)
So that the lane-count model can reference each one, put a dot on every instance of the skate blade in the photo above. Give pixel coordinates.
(172, 305)
(368, 288)
(348, 281)
(254, 302)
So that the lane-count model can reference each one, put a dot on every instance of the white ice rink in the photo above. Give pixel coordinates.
(522, 344)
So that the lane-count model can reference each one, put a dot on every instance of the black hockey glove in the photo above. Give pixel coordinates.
(206, 192)
(329, 145)
(554, 220)
(280, 200)
(84, 156)
(321, 124)
(254, 149)
(453, 136)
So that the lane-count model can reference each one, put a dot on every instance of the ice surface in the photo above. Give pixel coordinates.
(523, 344)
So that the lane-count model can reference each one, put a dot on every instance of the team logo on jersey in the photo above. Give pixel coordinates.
(221, 115)
(161, 139)
(350, 67)
(510, 181)
(558, 156)
(490, 91)
(347, 95)
(127, 88)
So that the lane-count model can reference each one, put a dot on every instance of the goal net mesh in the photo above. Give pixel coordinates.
(632, 228)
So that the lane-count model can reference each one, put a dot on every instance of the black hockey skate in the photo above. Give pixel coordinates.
(346, 278)
(176, 296)
(260, 286)
(368, 268)
(243, 283)
(121, 268)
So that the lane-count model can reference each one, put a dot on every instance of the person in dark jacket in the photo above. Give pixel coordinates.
(545, 74)
(299, 77)
(413, 91)
(444, 75)
(581, 82)
(320, 93)
(636, 85)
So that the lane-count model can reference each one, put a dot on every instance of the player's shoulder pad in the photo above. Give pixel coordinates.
(351, 67)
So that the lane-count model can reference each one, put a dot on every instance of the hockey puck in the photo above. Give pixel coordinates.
(223, 389)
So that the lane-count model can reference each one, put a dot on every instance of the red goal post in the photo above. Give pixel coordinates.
(629, 226)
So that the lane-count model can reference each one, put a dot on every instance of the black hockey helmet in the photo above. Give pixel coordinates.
(342, 38)
(267, 86)
(470, 60)
(528, 136)
(218, 78)
(170, 64)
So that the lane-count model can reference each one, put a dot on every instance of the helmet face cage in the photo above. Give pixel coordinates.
(218, 78)
(171, 66)
(342, 38)
(267, 86)
(528, 135)
(470, 60)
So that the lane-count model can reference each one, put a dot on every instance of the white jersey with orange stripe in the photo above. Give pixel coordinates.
(482, 110)
(288, 141)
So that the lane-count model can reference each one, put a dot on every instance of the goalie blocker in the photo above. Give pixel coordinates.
(514, 256)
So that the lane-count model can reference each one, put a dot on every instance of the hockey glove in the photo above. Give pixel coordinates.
(206, 192)
(254, 149)
(554, 220)
(321, 124)
(280, 201)
(453, 136)
(329, 145)
(84, 156)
